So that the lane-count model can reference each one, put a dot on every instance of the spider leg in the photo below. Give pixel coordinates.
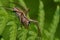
(37, 24)
(26, 11)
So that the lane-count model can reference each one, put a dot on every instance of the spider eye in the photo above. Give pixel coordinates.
(29, 22)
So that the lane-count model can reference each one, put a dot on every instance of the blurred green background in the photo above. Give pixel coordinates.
(46, 12)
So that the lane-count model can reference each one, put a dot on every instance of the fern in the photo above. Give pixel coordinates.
(47, 12)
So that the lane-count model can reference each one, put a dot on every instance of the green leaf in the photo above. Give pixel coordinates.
(46, 12)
